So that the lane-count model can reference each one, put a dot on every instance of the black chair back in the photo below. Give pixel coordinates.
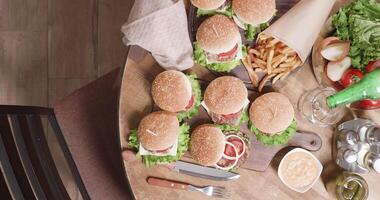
(27, 166)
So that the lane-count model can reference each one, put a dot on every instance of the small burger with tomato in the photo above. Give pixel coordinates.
(212, 7)
(174, 91)
(220, 146)
(253, 16)
(272, 119)
(160, 139)
(226, 101)
(218, 44)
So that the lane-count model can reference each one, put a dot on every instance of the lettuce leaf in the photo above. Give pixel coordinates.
(200, 58)
(359, 23)
(197, 99)
(252, 31)
(227, 11)
(228, 128)
(245, 117)
(277, 139)
(150, 160)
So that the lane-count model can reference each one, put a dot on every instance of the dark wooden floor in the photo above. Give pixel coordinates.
(49, 48)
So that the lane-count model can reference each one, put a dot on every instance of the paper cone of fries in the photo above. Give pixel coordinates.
(300, 26)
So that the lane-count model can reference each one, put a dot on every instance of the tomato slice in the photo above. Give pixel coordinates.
(229, 151)
(191, 103)
(238, 144)
(228, 53)
(372, 65)
(232, 115)
(351, 76)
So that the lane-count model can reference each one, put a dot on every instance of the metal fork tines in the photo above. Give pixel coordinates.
(214, 191)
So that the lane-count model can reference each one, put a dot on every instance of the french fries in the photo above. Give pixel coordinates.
(271, 57)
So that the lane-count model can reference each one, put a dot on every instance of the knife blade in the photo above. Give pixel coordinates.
(204, 172)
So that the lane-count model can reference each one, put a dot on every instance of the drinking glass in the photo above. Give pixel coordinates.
(313, 107)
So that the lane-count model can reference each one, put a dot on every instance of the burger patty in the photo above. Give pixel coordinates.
(231, 119)
(164, 151)
(223, 57)
(224, 162)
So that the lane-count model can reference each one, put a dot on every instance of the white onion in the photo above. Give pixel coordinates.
(242, 153)
(225, 156)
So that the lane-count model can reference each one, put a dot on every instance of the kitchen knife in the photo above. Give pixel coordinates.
(204, 172)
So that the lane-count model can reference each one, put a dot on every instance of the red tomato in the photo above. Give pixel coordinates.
(372, 65)
(351, 76)
(228, 53)
(238, 144)
(190, 104)
(232, 116)
(229, 151)
(366, 104)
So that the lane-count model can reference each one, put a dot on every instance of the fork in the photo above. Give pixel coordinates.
(213, 191)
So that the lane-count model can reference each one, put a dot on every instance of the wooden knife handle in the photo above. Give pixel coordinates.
(167, 183)
(307, 140)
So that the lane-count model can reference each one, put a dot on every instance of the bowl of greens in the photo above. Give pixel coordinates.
(349, 47)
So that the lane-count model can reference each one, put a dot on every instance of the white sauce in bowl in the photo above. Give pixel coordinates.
(299, 169)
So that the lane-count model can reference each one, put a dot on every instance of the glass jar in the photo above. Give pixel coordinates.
(348, 186)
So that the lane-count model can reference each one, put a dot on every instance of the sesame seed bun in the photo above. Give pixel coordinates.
(158, 130)
(208, 4)
(218, 34)
(271, 113)
(225, 95)
(171, 91)
(254, 12)
(207, 144)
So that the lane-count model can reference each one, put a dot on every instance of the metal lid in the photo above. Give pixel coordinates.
(350, 156)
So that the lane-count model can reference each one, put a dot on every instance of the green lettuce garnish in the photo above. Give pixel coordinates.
(252, 31)
(277, 139)
(244, 117)
(150, 160)
(359, 23)
(200, 58)
(197, 99)
(228, 128)
(227, 11)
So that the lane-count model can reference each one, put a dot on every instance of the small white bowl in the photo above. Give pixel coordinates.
(305, 188)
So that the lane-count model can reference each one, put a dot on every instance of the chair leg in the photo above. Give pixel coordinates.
(66, 152)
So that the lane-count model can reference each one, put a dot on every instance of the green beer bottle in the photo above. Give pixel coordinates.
(367, 88)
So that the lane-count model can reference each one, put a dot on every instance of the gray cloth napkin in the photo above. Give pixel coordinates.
(160, 26)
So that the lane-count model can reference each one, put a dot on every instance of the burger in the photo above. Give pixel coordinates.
(174, 91)
(272, 119)
(253, 15)
(212, 7)
(226, 101)
(218, 44)
(159, 138)
(220, 146)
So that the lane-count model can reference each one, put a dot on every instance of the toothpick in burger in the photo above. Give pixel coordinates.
(159, 138)
(174, 91)
(272, 119)
(226, 101)
(218, 44)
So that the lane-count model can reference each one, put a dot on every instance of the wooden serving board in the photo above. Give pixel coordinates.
(260, 155)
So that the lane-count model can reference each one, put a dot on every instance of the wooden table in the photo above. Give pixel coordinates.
(136, 102)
